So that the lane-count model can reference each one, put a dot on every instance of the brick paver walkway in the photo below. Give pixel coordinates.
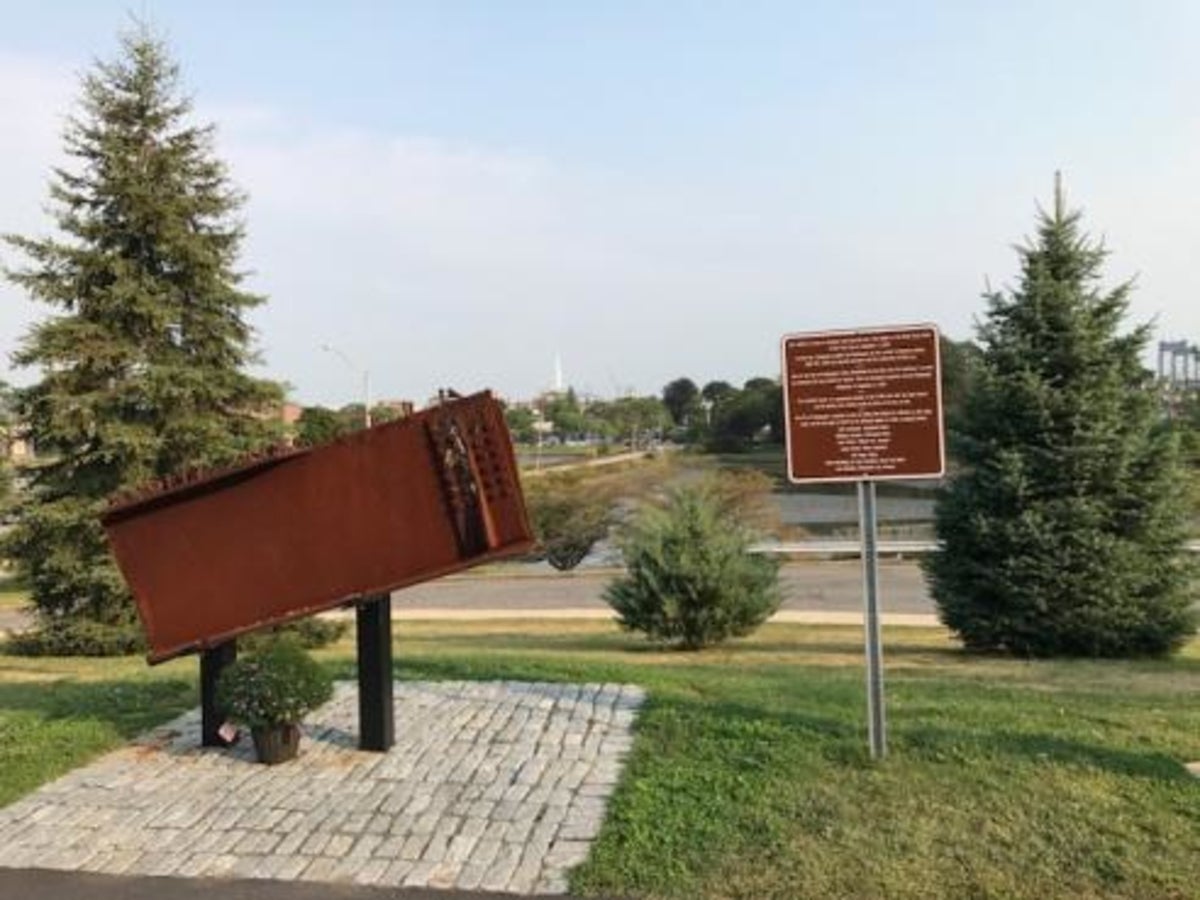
(492, 785)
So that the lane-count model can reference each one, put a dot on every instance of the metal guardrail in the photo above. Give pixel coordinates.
(842, 548)
(853, 547)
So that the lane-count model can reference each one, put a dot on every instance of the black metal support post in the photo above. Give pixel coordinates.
(212, 664)
(376, 720)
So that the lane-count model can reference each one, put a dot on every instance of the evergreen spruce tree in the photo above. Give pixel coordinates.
(143, 362)
(1064, 531)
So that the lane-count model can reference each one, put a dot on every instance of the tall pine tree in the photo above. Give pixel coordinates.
(1064, 531)
(143, 362)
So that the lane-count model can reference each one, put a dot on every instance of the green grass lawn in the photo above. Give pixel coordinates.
(56, 714)
(750, 777)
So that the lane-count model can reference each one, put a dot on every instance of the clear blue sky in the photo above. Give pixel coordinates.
(452, 193)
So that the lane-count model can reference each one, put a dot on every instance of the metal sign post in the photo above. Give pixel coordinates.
(876, 716)
(864, 406)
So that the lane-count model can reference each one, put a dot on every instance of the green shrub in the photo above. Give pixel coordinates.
(689, 579)
(569, 516)
(274, 685)
(311, 633)
(76, 637)
(83, 637)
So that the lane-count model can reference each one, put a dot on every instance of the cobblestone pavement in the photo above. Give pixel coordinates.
(491, 785)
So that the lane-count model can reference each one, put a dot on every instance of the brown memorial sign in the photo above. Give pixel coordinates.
(863, 404)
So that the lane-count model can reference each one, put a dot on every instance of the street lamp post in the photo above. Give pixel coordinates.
(366, 380)
(373, 632)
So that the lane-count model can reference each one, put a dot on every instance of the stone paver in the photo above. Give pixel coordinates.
(501, 785)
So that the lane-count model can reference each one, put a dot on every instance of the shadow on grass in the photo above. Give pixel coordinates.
(129, 707)
(485, 668)
(842, 739)
(818, 647)
(516, 641)
(637, 645)
(798, 721)
(944, 744)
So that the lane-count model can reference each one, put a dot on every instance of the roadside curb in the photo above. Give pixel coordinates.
(786, 617)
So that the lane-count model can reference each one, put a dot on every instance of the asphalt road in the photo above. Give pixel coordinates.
(815, 586)
(825, 586)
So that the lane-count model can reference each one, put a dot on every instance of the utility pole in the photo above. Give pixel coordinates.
(366, 380)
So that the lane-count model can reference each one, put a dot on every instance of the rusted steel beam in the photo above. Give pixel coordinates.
(220, 554)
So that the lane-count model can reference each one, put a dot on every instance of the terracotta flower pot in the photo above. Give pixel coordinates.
(276, 743)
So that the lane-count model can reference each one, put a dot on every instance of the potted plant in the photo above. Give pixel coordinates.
(269, 691)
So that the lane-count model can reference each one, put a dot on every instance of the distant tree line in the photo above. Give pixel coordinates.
(630, 421)
(319, 424)
(724, 418)
(718, 416)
